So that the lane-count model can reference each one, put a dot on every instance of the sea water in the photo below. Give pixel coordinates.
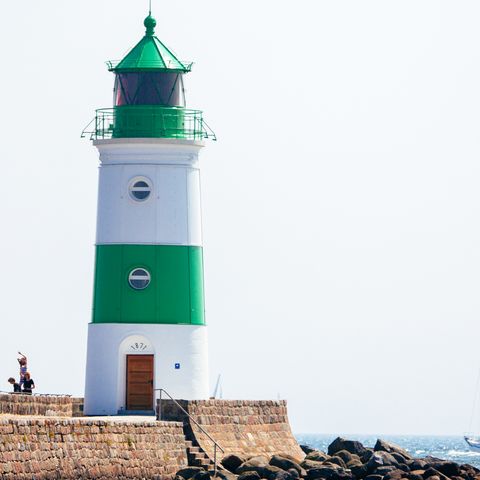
(449, 448)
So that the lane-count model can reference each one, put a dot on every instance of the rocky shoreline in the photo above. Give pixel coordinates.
(344, 460)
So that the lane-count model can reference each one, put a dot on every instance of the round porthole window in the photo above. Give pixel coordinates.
(139, 278)
(140, 189)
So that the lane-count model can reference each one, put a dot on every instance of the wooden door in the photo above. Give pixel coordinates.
(139, 382)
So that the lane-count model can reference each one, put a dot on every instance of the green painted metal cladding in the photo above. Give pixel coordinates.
(175, 292)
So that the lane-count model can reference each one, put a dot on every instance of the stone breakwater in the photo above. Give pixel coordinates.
(344, 460)
(53, 448)
(241, 427)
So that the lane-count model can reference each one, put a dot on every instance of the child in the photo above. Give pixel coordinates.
(16, 386)
(23, 367)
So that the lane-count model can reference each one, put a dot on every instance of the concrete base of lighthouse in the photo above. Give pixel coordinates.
(179, 362)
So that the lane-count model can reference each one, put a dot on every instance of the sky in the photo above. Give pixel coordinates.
(340, 204)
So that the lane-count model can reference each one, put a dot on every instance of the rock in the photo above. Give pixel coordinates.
(336, 461)
(450, 469)
(323, 472)
(317, 456)
(386, 470)
(358, 470)
(346, 456)
(254, 464)
(225, 475)
(283, 475)
(432, 472)
(374, 477)
(351, 446)
(249, 476)
(393, 474)
(417, 464)
(366, 455)
(204, 475)
(415, 476)
(270, 472)
(309, 464)
(381, 459)
(399, 457)
(286, 464)
(232, 462)
(189, 472)
(383, 446)
(306, 449)
(294, 473)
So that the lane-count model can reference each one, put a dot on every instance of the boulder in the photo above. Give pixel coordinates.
(309, 464)
(189, 472)
(415, 476)
(254, 464)
(383, 446)
(359, 470)
(232, 462)
(450, 469)
(381, 459)
(417, 464)
(386, 470)
(249, 476)
(351, 446)
(317, 456)
(270, 472)
(203, 475)
(366, 455)
(373, 477)
(393, 474)
(336, 461)
(399, 457)
(324, 471)
(432, 472)
(306, 449)
(294, 473)
(347, 457)
(283, 475)
(286, 464)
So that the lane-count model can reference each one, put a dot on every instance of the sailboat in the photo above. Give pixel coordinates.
(472, 442)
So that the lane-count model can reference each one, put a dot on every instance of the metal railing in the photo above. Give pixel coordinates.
(144, 121)
(169, 65)
(159, 417)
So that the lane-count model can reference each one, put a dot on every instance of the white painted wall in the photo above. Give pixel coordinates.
(172, 214)
(109, 344)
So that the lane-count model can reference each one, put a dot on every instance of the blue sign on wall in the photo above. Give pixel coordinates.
(177, 366)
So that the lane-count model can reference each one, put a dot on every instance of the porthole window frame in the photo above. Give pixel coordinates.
(148, 276)
(131, 186)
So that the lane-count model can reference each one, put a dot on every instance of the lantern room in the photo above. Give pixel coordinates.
(149, 96)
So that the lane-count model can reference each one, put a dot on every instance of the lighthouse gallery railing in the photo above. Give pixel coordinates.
(145, 121)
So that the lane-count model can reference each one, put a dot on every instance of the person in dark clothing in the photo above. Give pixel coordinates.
(28, 384)
(16, 386)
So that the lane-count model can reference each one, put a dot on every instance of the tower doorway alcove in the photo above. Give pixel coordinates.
(136, 374)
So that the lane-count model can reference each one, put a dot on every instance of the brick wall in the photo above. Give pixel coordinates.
(47, 405)
(53, 448)
(241, 427)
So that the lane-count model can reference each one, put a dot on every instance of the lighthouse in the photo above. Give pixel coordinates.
(148, 327)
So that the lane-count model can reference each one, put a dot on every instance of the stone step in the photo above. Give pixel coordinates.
(193, 449)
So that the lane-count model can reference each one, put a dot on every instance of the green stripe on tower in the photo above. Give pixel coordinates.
(175, 292)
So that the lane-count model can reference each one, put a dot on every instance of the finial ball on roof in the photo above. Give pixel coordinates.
(150, 24)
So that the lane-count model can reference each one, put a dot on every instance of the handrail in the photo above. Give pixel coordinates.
(215, 444)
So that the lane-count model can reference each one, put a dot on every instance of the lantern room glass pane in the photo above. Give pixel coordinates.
(149, 88)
